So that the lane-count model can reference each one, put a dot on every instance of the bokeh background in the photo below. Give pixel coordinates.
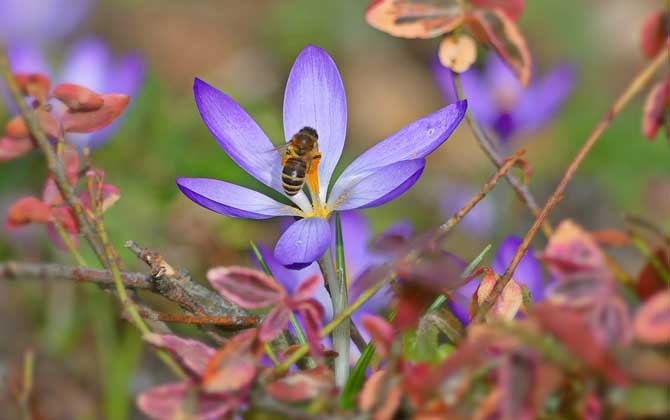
(89, 363)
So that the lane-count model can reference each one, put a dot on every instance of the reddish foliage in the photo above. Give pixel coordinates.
(579, 291)
(11, 148)
(234, 366)
(78, 98)
(508, 303)
(495, 28)
(656, 109)
(302, 386)
(369, 396)
(33, 84)
(611, 322)
(246, 287)
(415, 19)
(513, 8)
(17, 128)
(611, 237)
(89, 121)
(28, 210)
(652, 321)
(382, 333)
(655, 31)
(649, 280)
(191, 354)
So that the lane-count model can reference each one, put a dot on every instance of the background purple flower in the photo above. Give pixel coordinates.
(314, 97)
(90, 63)
(499, 101)
(40, 21)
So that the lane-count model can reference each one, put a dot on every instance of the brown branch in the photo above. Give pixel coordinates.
(638, 82)
(14, 270)
(226, 322)
(177, 286)
(488, 146)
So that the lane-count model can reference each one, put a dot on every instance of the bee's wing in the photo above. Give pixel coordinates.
(281, 149)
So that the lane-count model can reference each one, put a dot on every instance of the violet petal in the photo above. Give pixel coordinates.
(232, 200)
(528, 272)
(315, 98)
(303, 242)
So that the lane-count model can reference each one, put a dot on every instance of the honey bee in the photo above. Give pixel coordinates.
(297, 158)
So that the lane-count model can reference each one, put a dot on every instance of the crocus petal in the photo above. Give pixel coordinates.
(232, 200)
(528, 272)
(542, 100)
(27, 58)
(315, 98)
(356, 237)
(303, 242)
(480, 221)
(240, 136)
(375, 187)
(412, 142)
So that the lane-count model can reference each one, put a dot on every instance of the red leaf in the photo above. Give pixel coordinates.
(89, 121)
(369, 395)
(48, 123)
(65, 217)
(381, 332)
(13, 148)
(170, 401)
(247, 288)
(191, 354)
(652, 321)
(415, 19)
(495, 28)
(508, 303)
(77, 98)
(573, 250)
(574, 332)
(312, 313)
(274, 323)
(97, 193)
(655, 31)
(33, 84)
(611, 237)
(302, 386)
(307, 288)
(234, 366)
(656, 109)
(513, 8)
(17, 128)
(579, 291)
(28, 210)
(611, 323)
(649, 280)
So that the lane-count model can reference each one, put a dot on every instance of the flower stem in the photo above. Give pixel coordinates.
(69, 244)
(337, 286)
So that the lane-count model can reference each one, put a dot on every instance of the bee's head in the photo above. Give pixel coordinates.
(310, 132)
(306, 139)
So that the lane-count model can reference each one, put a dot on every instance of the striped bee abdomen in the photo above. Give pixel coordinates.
(293, 176)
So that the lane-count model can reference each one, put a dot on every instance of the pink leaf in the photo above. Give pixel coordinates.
(579, 291)
(368, 398)
(234, 366)
(513, 8)
(17, 128)
(172, 401)
(652, 321)
(654, 33)
(33, 84)
(611, 323)
(11, 148)
(49, 124)
(307, 288)
(381, 332)
(302, 386)
(508, 303)
(649, 280)
(191, 354)
(656, 109)
(28, 210)
(274, 323)
(312, 313)
(495, 28)
(247, 288)
(77, 98)
(89, 121)
(57, 240)
(415, 18)
(65, 217)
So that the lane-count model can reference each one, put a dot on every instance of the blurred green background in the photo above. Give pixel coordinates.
(94, 363)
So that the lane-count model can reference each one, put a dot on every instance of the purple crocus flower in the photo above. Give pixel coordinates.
(315, 98)
(499, 101)
(359, 257)
(40, 21)
(528, 273)
(89, 62)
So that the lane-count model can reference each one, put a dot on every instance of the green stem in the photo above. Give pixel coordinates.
(69, 244)
(337, 287)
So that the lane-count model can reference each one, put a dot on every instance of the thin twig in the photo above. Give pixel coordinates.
(488, 146)
(226, 322)
(14, 270)
(638, 82)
